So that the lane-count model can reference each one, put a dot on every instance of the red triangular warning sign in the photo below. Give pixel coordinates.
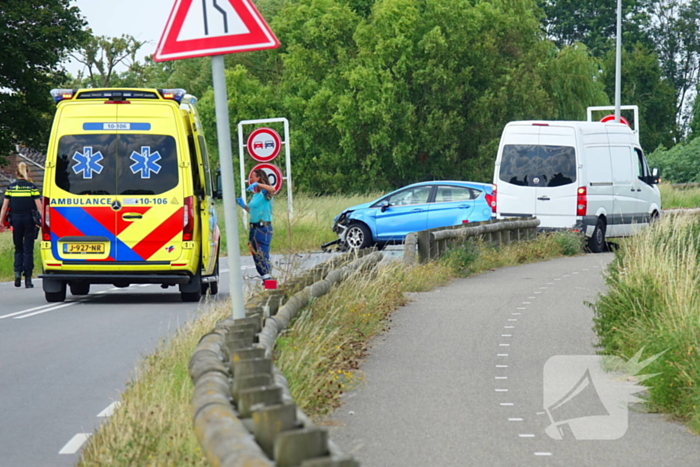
(213, 27)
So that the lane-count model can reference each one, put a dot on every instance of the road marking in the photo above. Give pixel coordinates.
(75, 443)
(501, 354)
(537, 291)
(574, 273)
(543, 453)
(558, 279)
(516, 314)
(550, 283)
(501, 366)
(110, 409)
(508, 327)
(526, 303)
(521, 308)
(515, 419)
(543, 288)
(26, 311)
(526, 435)
(506, 335)
(501, 377)
(504, 345)
(512, 319)
(565, 275)
(47, 310)
(501, 390)
(585, 269)
(506, 404)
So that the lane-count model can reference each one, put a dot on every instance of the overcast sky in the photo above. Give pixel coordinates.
(143, 19)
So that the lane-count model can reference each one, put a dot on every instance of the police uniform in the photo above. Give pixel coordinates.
(23, 219)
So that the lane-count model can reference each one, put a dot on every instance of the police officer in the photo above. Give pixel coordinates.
(22, 199)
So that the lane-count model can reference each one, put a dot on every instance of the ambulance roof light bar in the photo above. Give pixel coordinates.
(61, 94)
(173, 94)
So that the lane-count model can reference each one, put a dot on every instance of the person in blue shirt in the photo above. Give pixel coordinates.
(260, 209)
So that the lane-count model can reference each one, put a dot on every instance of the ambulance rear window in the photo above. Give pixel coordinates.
(117, 164)
(538, 165)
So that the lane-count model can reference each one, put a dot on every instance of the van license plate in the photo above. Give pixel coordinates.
(84, 248)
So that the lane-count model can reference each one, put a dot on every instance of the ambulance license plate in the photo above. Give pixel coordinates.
(84, 248)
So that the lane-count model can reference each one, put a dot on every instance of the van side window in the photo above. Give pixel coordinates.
(642, 168)
(194, 165)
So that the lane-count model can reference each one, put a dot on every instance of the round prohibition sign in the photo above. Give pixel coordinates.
(611, 118)
(264, 144)
(274, 174)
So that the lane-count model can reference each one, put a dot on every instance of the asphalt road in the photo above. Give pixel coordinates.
(63, 366)
(461, 380)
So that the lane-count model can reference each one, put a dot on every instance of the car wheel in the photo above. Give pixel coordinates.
(597, 241)
(59, 296)
(358, 236)
(79, 288)
(192, 292)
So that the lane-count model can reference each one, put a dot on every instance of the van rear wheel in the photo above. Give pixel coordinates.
(597, 241)
(79, 288)
(192, 291)
(53, 297)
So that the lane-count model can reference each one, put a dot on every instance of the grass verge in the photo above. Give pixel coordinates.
(319, 354)
(652, 303)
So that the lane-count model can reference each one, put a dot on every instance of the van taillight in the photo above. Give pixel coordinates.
(188, 220)
(581, 201)
(491, 199)
(46, 220)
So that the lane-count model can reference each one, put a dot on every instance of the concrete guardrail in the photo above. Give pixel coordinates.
(242, 410)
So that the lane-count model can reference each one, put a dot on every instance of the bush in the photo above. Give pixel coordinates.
(680, 164)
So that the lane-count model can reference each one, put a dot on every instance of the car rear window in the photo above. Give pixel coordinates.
(117, 164)
(538, 165)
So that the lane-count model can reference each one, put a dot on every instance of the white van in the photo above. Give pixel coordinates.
(586, 176)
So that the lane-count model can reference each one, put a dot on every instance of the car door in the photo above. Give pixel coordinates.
(406, 212)
(453, 205)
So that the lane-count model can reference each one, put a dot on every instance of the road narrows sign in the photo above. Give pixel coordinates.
(209, 27)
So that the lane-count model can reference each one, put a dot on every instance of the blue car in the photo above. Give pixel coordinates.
(420, 206)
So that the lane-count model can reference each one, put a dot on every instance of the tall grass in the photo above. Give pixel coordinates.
(676, 197)
(653, 303)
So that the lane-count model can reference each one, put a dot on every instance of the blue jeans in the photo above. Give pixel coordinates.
(260, 239)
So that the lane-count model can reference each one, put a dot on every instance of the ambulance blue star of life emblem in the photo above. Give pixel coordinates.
(145, 162)
(87, 162)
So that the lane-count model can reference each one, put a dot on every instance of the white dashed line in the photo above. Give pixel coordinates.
(110, 409)
(515, 419)
(512, 319)
(574, 273)
(501, 377)
(543, 453)
(75, 443)
(501, 366)
(504, 345)
(501, 354)
(558, 279)
(508, 327)
(521, 308)
(501, 390)
(526, 435)
(506, 335)
(509, 404)
(526, 303)
(531, 297)
(537, 291)
(543, 288)
(516, 314)
(550, 283)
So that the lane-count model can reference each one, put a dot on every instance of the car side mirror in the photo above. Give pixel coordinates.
(384, 205)
(655, 175)
(218, 192)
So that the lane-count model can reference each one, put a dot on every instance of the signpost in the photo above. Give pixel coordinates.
(211, 28)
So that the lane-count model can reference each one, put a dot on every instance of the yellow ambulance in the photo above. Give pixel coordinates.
(128, 197)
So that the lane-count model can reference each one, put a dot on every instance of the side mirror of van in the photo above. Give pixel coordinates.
(218, 192)
(655, 176)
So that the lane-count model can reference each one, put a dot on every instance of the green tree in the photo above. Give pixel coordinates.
(101, 55)
(35, 37)
(643, 84)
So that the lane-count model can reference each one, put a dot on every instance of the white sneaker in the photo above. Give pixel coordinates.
(266, 277)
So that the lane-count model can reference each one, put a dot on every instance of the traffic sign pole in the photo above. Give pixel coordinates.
(229, 191)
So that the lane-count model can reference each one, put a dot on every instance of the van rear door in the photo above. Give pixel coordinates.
(555, 175)
(149, 201)
(515, 195)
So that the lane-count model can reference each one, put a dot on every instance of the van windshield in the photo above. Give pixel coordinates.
(537, 165)
(117, 164)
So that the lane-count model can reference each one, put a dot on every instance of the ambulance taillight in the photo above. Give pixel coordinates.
(188, 220)
(46, 220)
